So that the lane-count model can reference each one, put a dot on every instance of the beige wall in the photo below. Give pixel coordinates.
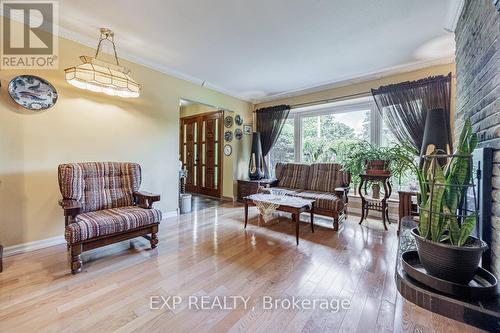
(362, 87)
(85, 126)
(234, 166)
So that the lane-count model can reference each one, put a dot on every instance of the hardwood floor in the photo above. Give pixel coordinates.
(207, 253)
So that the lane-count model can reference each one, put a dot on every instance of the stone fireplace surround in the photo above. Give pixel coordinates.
(477, 37)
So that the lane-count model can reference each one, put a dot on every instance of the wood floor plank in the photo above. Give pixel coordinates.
(208, 253)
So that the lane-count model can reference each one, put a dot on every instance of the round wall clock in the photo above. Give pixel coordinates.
(32, 92)
(228, 150)
(238, 133)
(238, 120)
(228, 121)
(228, 136)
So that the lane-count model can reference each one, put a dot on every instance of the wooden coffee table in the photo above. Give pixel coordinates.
(288, 204)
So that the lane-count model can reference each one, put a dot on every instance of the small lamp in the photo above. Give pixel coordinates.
(436, 136)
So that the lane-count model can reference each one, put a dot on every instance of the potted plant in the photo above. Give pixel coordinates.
(443, 237)
(359, 157)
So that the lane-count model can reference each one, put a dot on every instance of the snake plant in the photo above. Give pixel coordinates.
(443, 190)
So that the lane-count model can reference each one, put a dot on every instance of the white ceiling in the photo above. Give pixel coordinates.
(263, 49)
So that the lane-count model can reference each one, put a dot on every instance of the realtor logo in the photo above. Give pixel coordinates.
(29, 34)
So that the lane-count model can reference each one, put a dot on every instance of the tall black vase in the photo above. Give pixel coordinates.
(256, 165)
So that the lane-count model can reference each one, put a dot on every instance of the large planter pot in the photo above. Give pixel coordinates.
(449, 262)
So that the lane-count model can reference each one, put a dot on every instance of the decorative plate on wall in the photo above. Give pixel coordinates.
(32, 92)
(228, 121)
(228, 150)
(228, 136)
(238, 120)
(238, 133)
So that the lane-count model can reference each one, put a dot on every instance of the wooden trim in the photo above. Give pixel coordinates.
(219, 141)
(202, 114)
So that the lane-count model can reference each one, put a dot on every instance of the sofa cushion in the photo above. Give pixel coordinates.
(109, 221)
(324, 200)
(325, 177)
(100, 185)
(292, 175)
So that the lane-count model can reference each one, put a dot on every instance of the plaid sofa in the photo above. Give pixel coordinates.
(324, 182)
(101, 200)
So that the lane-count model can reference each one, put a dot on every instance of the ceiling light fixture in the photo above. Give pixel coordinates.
(100, 76)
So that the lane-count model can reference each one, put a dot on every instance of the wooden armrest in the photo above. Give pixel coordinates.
(145, 199)
(71, 207)
(342, 192)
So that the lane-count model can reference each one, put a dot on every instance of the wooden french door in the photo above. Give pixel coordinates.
(201, 152)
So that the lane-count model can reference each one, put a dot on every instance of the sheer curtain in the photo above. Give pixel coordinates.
(270, 122)
(404, 106)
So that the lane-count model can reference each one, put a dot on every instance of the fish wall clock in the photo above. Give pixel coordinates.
(32, 92)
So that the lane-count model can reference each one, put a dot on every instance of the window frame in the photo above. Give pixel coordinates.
(352, 105)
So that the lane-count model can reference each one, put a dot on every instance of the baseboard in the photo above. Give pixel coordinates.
(172, 213)
(32, 246)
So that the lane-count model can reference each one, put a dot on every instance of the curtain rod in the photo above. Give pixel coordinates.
(329, 100)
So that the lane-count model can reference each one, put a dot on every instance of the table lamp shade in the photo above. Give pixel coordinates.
(436, 136)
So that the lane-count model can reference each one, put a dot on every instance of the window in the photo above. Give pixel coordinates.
(284, 148)
(310, 133)
(388, 139)
(321, 133)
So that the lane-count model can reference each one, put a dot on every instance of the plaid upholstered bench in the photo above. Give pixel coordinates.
(102, 205)
(325, 183)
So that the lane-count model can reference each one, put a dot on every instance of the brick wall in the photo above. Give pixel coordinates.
(477, 39)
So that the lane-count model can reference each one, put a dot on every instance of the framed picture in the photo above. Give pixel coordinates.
(247, 129)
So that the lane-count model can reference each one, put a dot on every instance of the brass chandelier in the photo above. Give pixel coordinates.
(100, 76)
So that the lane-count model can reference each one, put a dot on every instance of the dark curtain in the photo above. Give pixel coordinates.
(404, 106)
(270, 122)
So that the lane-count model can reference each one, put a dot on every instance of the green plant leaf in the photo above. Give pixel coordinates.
(453, 227)
(466, 229)
(437, 190)
(423, 224)
(473, 142)
(444, 238)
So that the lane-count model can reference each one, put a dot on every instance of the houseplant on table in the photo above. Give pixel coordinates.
(443, 237)
(358, 157)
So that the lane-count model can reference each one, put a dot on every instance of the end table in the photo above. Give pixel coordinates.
(379, 205)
